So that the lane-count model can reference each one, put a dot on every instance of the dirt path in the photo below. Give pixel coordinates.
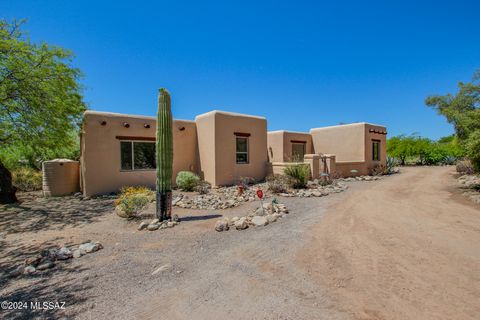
(399, 248)
(403, 248)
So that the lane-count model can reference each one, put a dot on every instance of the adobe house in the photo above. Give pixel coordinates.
(356, 146)
(222, 147)
(119, 150)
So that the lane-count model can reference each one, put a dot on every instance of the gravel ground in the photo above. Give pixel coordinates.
(203, 274)
(373, 256)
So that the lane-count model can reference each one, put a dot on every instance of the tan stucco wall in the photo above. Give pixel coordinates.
(346, 142)
(100, 151)
(378, 135)
(280, 144)
(222, 144)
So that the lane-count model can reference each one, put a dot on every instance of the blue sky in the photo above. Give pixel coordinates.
(302, 64)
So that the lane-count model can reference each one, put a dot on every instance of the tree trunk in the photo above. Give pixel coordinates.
(164, 206)
(7, 190)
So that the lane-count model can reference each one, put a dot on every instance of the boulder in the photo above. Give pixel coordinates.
(47, 264)
(63, 254)
(78, 253)
(142, 225)
(153, 227)
(259, 221)
(29, 270)
(241, 224)
(90, 247)
(260, 211)
(221, 225)
(271, 218)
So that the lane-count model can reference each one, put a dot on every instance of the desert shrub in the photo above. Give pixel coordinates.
(27, 179)
(278, 183)
(473, 148)
(187, 180)
(464, 167)
(247, 181)
(203, 187)
(132, 200)
(299, 175)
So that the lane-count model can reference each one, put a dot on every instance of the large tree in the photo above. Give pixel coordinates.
(41, 105)
(463, 111)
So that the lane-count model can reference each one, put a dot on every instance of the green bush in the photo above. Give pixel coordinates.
(187, 181)
(299, 174)
(278, 183)
(132, 200)
(27, 179)
(473, 149)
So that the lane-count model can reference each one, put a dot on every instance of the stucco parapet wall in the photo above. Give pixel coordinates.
(286, 131)
(348, 125)
(233, 114)
(312, 156)
(123, 115)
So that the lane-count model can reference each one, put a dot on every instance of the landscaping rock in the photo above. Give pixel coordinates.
(29, 270)
(33, 261)
(241, 224)
(170, 224)
(63, 254)
(155, 221)
(153, 227)
(142, 225)
(260, 211)
(90, 247)
(47, 264)
(271, 218)
(221, 225)
(259, 221)
(78, 253)
(16, 272)
(175, 218)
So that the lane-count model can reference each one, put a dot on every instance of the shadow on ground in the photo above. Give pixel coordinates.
(36, 214)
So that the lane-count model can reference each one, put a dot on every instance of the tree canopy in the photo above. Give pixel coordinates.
(41, 104)
(463, 111)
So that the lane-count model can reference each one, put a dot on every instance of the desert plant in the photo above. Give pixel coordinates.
(164, 156)
(465, 167)
(203, 187)
(132, 200)
(278, 183)
(27, 179)
(299, 174)
(187, 181)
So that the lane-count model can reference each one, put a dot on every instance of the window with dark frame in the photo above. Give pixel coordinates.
(375, 150)
(242, 150)
(137, 155)
(298, 151)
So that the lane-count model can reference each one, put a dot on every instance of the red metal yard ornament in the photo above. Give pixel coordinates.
(260, 193)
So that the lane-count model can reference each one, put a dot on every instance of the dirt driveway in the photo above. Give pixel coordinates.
(405, 247)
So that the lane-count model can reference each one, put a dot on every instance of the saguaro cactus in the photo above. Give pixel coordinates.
(164, 156)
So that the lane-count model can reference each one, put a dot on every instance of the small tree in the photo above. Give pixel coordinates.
(463, 111)
(41, 105)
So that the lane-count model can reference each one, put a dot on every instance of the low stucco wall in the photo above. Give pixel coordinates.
(343, 169)
(217, 132)
(100, 150)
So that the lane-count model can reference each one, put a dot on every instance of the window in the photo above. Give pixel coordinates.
(136, 155)
(242, 150)
(298, 151)
(375, 150)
